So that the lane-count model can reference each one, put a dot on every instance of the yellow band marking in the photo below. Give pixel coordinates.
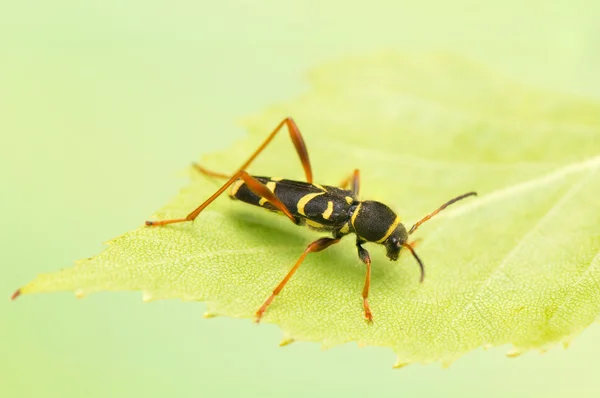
(235, 187)
(314, 224)
(271, 187)
(349, 200)
(327, 213)
(345, 229)
(355, 214)
(276, 178)
(305, 199)
(319, 186)
(390, 230)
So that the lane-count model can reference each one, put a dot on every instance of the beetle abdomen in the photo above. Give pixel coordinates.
(322, 206)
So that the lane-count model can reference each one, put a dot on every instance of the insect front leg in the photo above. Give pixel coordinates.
(365, 257)
(354, 178)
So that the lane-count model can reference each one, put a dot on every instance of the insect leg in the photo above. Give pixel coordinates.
(316, 246)
(209, 173)
(297, 140)
(355, 179)
(253, 184)
(364, 256)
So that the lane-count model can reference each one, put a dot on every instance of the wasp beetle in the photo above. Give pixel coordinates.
(337, 210)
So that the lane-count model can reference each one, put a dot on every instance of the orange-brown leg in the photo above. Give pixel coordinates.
(316, 246)
(355, 179)
(253, 184)
(364, 256)
(297, 140)
(210, 173)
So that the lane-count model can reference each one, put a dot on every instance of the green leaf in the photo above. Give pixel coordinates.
(517, 265)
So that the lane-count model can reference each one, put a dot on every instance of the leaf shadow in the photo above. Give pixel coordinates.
(339, 260)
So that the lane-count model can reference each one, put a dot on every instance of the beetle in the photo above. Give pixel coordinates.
(337, 210)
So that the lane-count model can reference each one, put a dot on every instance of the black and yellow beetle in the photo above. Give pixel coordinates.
(321, 207)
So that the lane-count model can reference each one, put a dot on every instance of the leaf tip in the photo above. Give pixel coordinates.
(514, 353)
(286, 341)
(16, 294)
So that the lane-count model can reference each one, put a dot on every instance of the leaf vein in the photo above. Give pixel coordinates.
(502, 263)
(591, 266)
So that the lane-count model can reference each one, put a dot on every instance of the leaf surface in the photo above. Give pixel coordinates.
(518, 265)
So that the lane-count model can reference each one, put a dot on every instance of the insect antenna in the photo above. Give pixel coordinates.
(442, 207)
(409, 247)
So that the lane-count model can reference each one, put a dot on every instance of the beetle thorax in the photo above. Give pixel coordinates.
(373, 221)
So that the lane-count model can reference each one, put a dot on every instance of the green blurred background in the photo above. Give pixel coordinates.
(104, 104)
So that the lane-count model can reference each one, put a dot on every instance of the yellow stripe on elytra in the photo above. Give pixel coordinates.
(271, 187)
(345, 229)
(319, 186)
(349, 200)
(276, 178)
(305, 199)
(390, 230)
(355, 214)
(313, 224)
(327, 213)
(235, 187)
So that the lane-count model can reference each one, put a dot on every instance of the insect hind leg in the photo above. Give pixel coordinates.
(253, 184)
(297, 140)
(210, 173)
